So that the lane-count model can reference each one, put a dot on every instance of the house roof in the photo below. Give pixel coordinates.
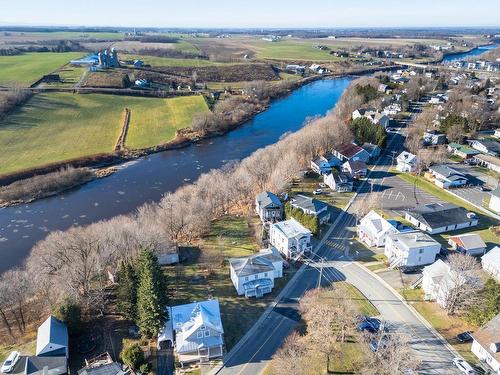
(348, 150)
(489, 159)
(438, 269)
(46, 365)
(375, 224)
(342, 178)
(463, 149)
(492, 257)
(291, 228)
(490, 334)
(187, 319)
(356, 165)
(490, 145)
(413, 239)
(251, 265)
(369, 147)
(52, 335)
(447, 172)
(440, 215)
(306, 203)
(112, 368)
(266, 199)
(407, 157)
(468, 241)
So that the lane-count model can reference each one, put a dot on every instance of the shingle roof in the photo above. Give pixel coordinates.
(489, 334)
(440, 215)
(492, 257)
(447, 172)
(52, 336)
(356, 165)
(112, 368)
(348, 150)
(468, 241)
(306, 203)
(413, 239)
(266, 199)
(406, 157)
(251, 265)
(496, 192)
(46, 365)
(291, 228)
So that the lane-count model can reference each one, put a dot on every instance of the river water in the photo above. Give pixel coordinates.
(148, 178)
(475, 52)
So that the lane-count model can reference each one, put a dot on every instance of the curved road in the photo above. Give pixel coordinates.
(251, 355)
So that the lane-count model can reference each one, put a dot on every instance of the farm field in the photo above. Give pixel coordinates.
(60, 126)
(168, 61)
(136, 45)
(19, 37)
(156, 121)
(27, 68)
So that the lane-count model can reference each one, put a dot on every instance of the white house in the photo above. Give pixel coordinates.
(323, 164)
(254, 276)
(486, 344)
(411, 249)
(497, 133)
(491, 262)
(438, 218)
(373, 229)
(196, 328)
(290, 238)
(356, 168)
(469, 243)
(445, 177)
(406, 162)
(488, 161)
(269, 207)
(376, 117)
(311, 206)
(351, 151)
(487, 146)
(433, 137)
(433, 281)
(340, 182)
(494, 204)
(52, 338)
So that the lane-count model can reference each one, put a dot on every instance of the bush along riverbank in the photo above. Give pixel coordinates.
(42, 186)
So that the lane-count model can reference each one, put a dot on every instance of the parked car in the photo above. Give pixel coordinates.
(464, 336)
(410, 270)
(317, 191)
(10, 362)
(463, 366)
(368, 324)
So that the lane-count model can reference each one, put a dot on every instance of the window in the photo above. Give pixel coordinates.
(199, 334)
(265, 274)
(207, 333)
(420, 251)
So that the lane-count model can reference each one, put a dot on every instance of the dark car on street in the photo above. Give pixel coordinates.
(368, 324)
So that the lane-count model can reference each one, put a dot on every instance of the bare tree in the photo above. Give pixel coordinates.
(291, 357)
(461, 283)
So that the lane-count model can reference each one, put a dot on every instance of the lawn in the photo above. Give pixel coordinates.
(364, 305)
(205, 274)
(447, 326)
(156, 121)
(27, 68)
(27, 348)
(60, 126)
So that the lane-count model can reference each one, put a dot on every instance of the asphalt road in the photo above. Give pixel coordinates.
(266, 337)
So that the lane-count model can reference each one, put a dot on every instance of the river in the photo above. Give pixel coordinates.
(148, 178)
(464, 55)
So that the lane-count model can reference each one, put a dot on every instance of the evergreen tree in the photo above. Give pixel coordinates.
(127, 292)
(151, 295)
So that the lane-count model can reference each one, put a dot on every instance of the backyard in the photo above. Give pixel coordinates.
(23, 70)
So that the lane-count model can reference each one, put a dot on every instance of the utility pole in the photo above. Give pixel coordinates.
(320, 273)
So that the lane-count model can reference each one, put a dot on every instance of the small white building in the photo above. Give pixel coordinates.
(411, 249)
(340, 182)
(254, 276)
(445, 177)
(486, 344)
(469, 243)
(488, 161)
(290, 238)
(434, 282)
(406, 162)
(494, 204)
(373, 229)
(52, 338)
(491, 262)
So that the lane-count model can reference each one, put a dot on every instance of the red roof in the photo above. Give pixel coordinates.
(348, 150)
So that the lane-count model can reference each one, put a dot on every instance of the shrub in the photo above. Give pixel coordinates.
(145, 368)
(133, 356)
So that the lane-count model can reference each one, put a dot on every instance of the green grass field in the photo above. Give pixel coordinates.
(60, 126)
(293, 49)
(25, 69)
(155, 121)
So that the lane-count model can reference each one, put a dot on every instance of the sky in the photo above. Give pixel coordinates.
(251, 13)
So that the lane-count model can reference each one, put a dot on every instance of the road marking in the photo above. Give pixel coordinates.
(265, 342)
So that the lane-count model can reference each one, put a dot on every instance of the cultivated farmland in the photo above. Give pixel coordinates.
(60, 126)
(156, 121)
(29, 67)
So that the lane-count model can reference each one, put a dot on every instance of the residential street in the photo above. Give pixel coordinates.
(263, 341)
